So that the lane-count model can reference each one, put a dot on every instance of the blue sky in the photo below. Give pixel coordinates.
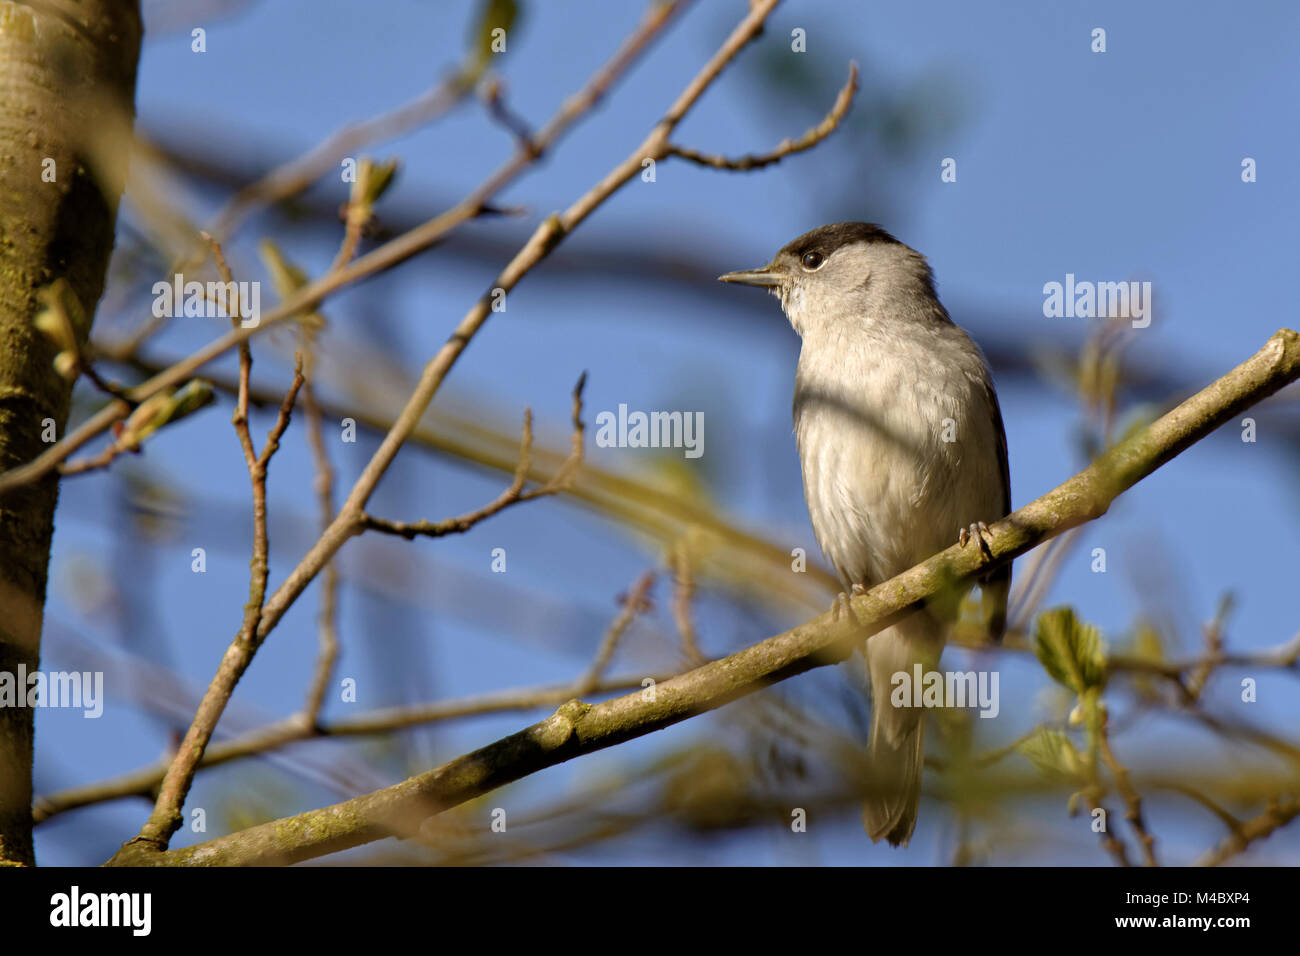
(1111, 166)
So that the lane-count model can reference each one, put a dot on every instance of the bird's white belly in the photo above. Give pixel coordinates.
(884, 490)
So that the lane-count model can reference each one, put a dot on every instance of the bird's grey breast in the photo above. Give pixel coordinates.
(897, 443)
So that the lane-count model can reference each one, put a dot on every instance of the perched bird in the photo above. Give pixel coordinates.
(903, 449)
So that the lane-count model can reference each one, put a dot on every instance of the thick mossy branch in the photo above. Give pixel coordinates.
(67, 82)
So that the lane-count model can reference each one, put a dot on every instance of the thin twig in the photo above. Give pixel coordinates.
(683, 594)
(1132, 799)
(513, 495)
(240, 417)
(494, 97)
(112, 389)
(1044, 567)
(79, 466)
(327, 618)
(1226, 818)
(166, 816)
(1095, 789)
(635, 602)
(1109, 842)
(1213, 633)
(1279, 813)
(1283, 656)
(786, 147)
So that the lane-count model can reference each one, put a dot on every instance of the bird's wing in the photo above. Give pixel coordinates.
(997, 584)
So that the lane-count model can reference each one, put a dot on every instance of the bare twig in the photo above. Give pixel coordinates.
(1095, 789)
(786, 147)
(1132, 799)
(635, 602)
(494, 97)
(1226, 818)
(513, 495)
(240, 417)
(1283, 656)
(95, 462)
(1109, 842)
(1200, 676)
(1279, 813)
(683, 594)
(353, 225)
(111, 389)
(1045, 564)
(328, 625)
(176, 782)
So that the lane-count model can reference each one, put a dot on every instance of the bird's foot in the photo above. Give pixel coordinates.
(978, 531)
(842, 606)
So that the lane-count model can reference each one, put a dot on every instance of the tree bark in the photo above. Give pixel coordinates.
(67, 84)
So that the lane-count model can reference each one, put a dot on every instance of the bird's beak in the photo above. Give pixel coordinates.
(764, 277)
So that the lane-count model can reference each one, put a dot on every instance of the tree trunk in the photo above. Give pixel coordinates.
(67, 84)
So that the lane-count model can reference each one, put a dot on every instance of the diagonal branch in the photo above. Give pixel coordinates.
(578, 728)
(1277, 815)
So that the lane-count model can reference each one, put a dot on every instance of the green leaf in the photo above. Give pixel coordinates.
(164, 409)
(1072, 652)
(287, 278)
(375, 178)
(1053, 753)
(185, 401)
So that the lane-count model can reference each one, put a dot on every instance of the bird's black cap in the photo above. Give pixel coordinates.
(826, 239)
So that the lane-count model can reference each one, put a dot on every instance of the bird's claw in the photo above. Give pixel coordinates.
(842, 606)
(978, 531)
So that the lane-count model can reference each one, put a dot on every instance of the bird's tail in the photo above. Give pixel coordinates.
(897, 742)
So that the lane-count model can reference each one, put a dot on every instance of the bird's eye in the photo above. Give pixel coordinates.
(812, 261)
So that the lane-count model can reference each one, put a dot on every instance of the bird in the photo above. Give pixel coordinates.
(902, 449)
